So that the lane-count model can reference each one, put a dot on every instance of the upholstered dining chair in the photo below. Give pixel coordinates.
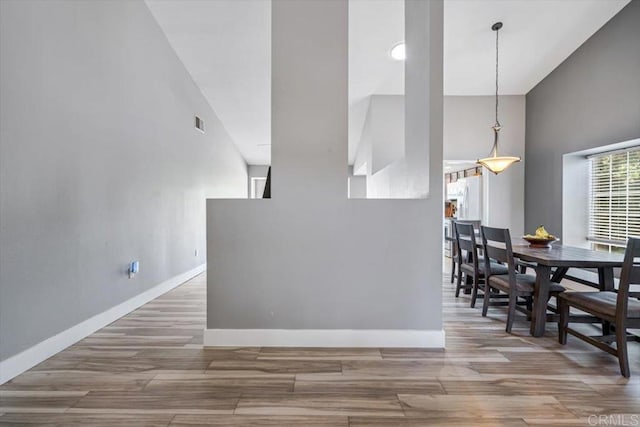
(463, 253)
(518, 287)
(616, 308)
(470, 265)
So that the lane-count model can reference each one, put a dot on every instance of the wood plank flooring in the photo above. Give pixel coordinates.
(149, 368)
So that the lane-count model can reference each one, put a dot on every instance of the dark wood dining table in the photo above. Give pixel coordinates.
(562, 258)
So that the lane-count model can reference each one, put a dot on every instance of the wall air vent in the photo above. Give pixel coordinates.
(199, 124)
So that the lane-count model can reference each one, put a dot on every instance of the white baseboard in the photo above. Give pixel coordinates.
(15, 365)
(324, 338)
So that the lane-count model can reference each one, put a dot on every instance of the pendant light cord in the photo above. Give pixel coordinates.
(497, 122)
(495, 163)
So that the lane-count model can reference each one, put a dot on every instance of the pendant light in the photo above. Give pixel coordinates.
(495, 163)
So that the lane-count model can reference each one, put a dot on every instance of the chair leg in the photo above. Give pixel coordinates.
(487, 295)
(530, 308)
(459, 283)
(606, 328)
(621, 345)
(563, 322)
(512, 312)
(453, 268)
(474, 291)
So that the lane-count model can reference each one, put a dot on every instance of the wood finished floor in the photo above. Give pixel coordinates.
(149, 368)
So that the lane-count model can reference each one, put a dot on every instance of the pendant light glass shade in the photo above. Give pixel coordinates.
(498, 163)
(494, 162)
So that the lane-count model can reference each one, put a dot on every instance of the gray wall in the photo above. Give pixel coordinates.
(592, 99)
(309, 258)
(386, 120)
(99, 163)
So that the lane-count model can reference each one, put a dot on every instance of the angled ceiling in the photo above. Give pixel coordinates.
(537, 36)
(225, 45)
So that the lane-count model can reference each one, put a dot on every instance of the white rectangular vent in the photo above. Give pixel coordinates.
(199, 124)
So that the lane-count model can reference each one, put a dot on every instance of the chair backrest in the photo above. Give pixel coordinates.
(630, 274)
(496, 243)
(466, 241)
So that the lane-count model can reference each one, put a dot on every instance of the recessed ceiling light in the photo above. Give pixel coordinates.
(399, 52)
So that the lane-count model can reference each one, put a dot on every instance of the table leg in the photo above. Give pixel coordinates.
(605, 278)
(559, 274)
(540, 299)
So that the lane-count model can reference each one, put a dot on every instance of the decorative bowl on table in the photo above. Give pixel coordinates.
(540, 242)
(542, 239)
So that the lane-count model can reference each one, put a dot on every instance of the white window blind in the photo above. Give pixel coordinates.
(614, 197)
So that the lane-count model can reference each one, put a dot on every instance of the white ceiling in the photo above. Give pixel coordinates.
(225, 45)
(537, 36)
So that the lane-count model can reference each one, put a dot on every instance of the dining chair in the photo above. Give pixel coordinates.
(470, 264)
(519, 288)
(465, 254)
(619, 309)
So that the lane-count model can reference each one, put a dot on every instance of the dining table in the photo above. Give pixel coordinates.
(551, 264)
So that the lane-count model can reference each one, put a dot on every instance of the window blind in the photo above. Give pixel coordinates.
(614, 197)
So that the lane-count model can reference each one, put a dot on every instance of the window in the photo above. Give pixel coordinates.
(614, 199)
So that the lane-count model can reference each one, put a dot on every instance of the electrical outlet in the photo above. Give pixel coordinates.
(134, 267)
